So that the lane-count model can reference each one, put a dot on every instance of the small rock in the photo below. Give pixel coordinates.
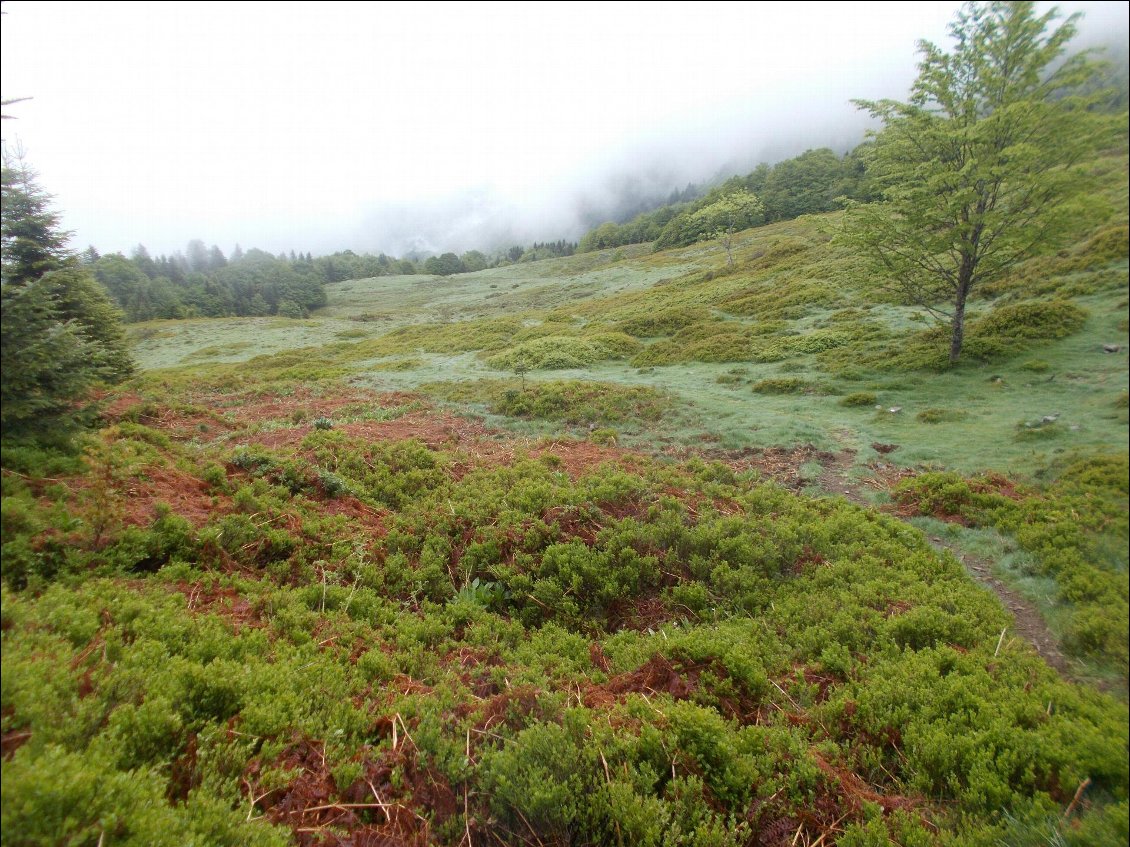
(1074, 427)
(894, 410)
(1047, 419)
(1112, 348)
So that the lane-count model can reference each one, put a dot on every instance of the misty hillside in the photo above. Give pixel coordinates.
(782, 506)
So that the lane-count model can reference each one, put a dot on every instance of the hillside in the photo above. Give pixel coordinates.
(620, 548)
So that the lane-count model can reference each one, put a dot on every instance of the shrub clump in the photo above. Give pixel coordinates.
(784, 385)
(859, 399)
(1063, 528)
(662, 322)
(1047, 319)
(937, 416)
(1004, 332)
(558, 352)
(571, 401)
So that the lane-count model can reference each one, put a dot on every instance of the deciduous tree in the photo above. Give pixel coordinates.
(980, 168)
(734, 212)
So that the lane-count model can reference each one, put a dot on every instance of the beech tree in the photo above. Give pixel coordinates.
(980, 168)
(731, 214)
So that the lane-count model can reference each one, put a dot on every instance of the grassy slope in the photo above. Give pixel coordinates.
(765, 357)
(276, 602)
(1071, 377)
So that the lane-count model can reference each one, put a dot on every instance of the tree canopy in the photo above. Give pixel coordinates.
(979, 169)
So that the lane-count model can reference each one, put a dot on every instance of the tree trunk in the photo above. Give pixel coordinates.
(957, 327)
(957, 324)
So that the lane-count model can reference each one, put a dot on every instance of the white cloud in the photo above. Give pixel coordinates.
(330, 125)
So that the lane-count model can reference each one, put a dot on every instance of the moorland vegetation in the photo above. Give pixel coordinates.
(709, 544)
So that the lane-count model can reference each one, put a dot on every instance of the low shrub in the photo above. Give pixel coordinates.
(784, 385)
(571, 401)
(937, 416)
(662, 322)
(1047, 319)
(552, 353)
(860, 399)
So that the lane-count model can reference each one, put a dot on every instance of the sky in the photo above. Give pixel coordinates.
(430, 126)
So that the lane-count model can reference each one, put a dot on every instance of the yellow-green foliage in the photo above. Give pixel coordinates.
(938, 416)
(1096, 264)
(161, 676)
(784, 385)
(662, 322)
(406, 364)
(1050, 319)
(461, 337)
(1066, 528)
(1005, 331)
(723, 347)
(560, 352)
(859, 399)
(786, 299)
(794, 633)
(572, 401)
(817, 341)
(707, 341)
(619, 344)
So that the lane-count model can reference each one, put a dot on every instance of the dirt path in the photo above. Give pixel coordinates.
(1029, 625)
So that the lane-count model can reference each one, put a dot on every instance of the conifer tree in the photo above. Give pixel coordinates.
(61, 334)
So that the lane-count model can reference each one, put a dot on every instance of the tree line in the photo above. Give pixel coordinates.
(811, 183)
(204, 282)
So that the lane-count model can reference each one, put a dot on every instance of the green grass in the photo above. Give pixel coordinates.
(697, 318)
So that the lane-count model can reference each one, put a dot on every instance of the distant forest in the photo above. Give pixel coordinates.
(203, 282)
(813, 182)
